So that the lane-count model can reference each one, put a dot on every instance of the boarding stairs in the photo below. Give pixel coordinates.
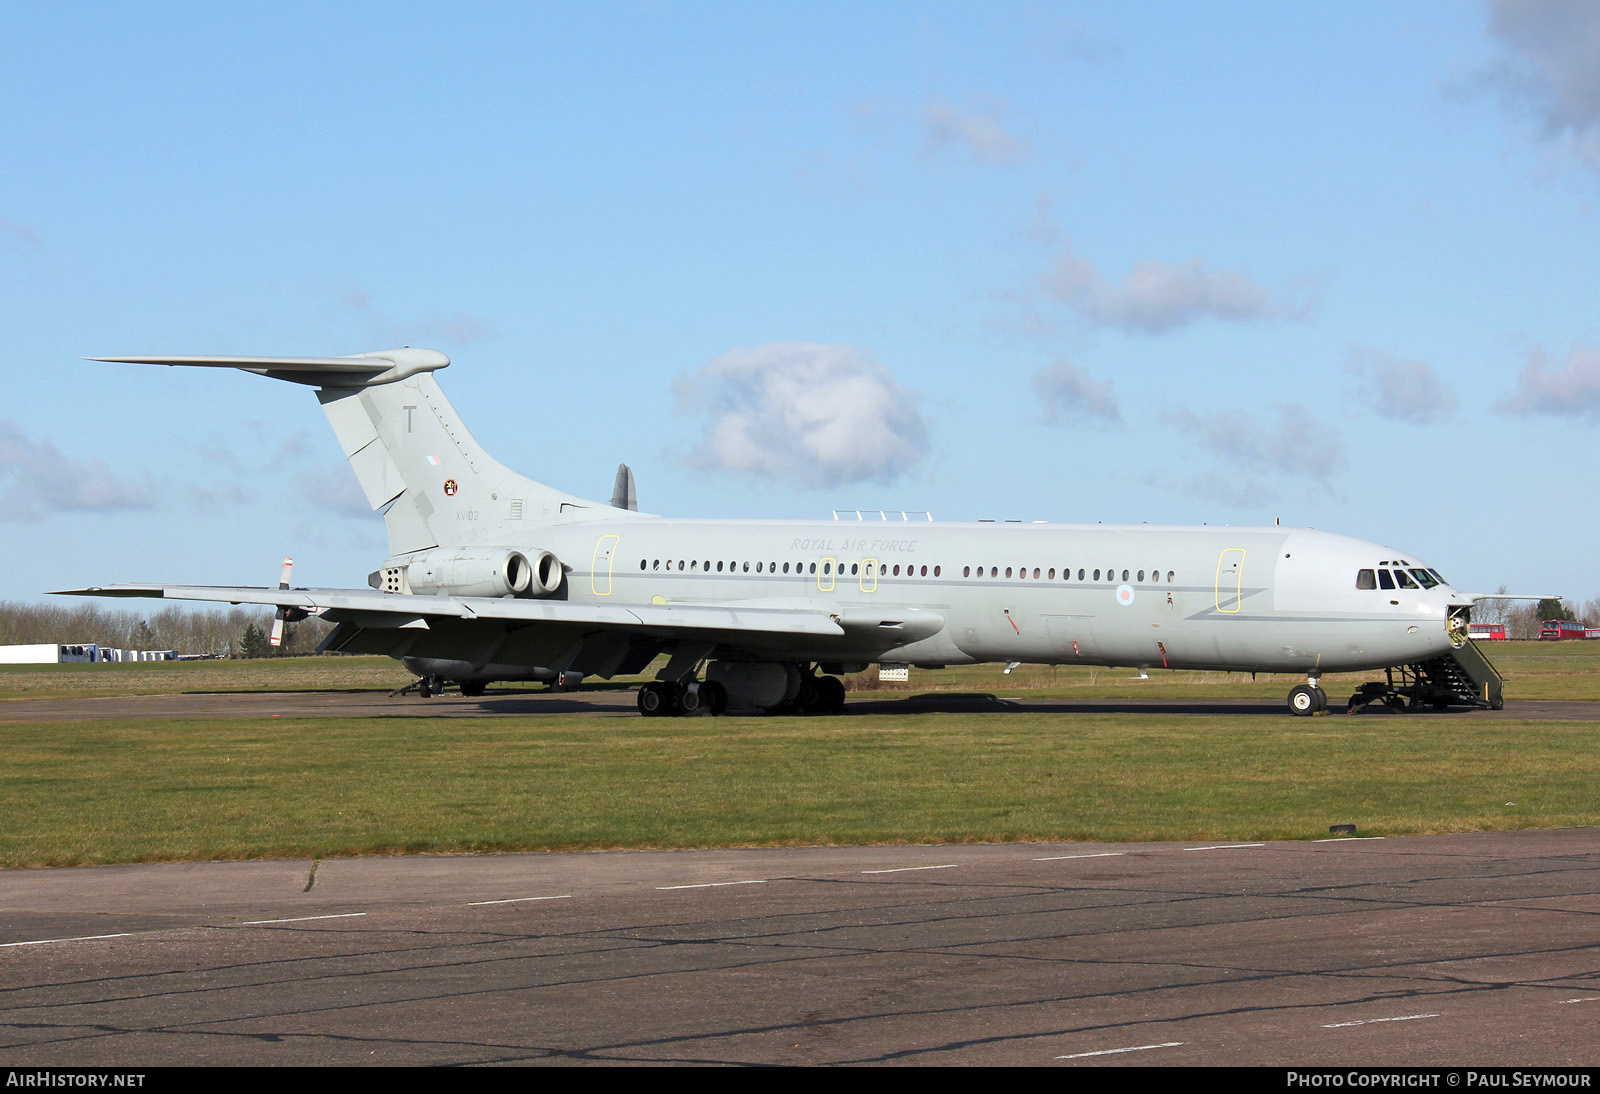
(1462, 677)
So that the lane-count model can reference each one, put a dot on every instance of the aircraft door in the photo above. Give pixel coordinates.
(605, 549)
(1230, 579)
(826, 575)
(869, 575)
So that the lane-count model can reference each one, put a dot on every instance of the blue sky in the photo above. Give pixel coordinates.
(1337, 264)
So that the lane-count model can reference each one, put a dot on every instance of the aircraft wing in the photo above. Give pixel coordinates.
(370, 608)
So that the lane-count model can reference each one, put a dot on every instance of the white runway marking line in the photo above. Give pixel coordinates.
(1223, 846)
(1114, 1051)
(906, 869)
(710, 884)
(1579, 999)
(301, 919)
(1097, 854)
(79, 938)
(1371, 1021)
(517, 900)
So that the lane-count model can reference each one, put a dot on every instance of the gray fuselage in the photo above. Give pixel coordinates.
(1250, 599)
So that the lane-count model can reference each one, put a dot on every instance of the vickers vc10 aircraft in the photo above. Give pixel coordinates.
(493, 576)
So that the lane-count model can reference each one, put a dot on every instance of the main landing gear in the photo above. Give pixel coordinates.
(803, 694)
(433, 684)
(817, 695)
(426, 686)
(1308, 698)
(661, 699)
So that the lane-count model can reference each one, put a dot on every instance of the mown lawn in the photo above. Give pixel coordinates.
(139, 790)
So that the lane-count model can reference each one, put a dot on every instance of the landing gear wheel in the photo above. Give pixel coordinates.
(690, 701)
(653, 701)
(810, 697)
(714, 697)
(1306, 700)
(830, 694)
(474, 688)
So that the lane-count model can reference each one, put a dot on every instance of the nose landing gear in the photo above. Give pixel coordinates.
(1308, 698)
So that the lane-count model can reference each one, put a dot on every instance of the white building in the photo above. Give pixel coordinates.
(48, 653)
(59, 653)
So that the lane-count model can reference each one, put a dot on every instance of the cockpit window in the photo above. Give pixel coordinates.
(1366, 579)
(1426, 578)
(1404, 579)
(1439, 577)
(1384, 580)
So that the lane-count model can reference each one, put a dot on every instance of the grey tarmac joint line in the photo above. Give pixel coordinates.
(621, 703)
(1473, 949)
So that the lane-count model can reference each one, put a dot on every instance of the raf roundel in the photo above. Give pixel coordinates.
(449, 488)
(1124, 595)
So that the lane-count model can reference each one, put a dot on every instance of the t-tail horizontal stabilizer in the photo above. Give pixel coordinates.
(415, 459)
(383, 366)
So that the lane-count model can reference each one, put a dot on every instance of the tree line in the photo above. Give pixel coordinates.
(218, 632)
(1522, 617)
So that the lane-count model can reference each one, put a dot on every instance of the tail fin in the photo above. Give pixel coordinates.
(414, 458)
(624, 495)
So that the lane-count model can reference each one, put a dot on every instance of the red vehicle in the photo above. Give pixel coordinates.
(1562, 628)
(1479, 632)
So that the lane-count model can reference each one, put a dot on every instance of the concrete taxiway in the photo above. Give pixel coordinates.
(1465, 949)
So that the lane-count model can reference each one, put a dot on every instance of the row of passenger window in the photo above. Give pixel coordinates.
(829, 567)
(1066, 574)
(1397, 578)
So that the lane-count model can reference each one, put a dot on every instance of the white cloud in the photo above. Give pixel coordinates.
(1042, 228)
(1156, 297)
(980, 134)
(215, 450)
(1573, 392)
(457, 328)
(1551, 64)
(1293, 444)
(1243, 491)
(819, 415)
(37, 479)
(206, 499)
(1407, 390)
(331, 490)
(1070, 392)
(13, 232)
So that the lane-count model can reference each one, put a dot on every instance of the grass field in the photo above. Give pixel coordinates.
(141, 790)
(1534, 670)
(127, 791)
(179, 677)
